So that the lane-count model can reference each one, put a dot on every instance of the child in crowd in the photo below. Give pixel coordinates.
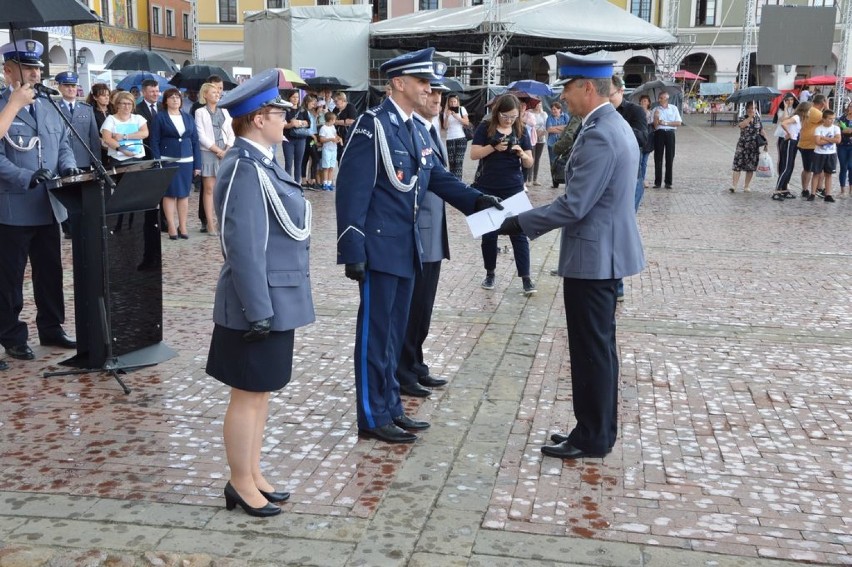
(827, 136)
(329, 139)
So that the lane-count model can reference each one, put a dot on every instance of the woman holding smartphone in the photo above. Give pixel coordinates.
(453, 120)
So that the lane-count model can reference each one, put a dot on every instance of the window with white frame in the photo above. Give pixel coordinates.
(641, 9)
(156, 20)
(170, 22)
(131, 13)
(705, 12)
(228, 11)
(186, 26)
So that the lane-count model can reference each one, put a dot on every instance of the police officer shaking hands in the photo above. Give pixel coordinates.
(385, 170)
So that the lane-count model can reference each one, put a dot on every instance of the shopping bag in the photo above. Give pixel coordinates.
(765, 167)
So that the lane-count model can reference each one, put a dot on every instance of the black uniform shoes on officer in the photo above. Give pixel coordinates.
(21, 352)
(415, 389)
(431, 381)
(60, 339)
(565, 450)
(389, 433)
(406, 422)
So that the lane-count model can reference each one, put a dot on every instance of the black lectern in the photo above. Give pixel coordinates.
(118, 284)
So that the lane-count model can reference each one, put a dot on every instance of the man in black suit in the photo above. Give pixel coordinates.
(635, 117)
(148, 107)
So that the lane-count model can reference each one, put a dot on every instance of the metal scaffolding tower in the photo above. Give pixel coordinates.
(492, 47)
(845, 41)
(668, 59)
(749, 42)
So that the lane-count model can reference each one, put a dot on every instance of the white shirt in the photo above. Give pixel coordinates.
(667, 114)
(455, 129)
(826, 132)
(267, 153)
(795, 128)
(586, 117)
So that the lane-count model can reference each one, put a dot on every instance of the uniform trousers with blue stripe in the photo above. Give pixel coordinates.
(382, 318)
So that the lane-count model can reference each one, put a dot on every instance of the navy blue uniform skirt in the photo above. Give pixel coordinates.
(263, 366)
(181, 184)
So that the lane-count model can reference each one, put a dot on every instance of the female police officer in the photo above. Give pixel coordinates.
(264, 290)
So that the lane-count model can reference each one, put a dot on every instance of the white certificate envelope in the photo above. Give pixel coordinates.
(490, 220)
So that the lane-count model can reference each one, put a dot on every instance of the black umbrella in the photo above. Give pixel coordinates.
(655, 88)
(453, 84)
(327, 83)
(141, 60)
(753, 93)
(37, 13)
(192, 77)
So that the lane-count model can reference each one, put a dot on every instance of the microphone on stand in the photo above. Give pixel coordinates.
(45, 90)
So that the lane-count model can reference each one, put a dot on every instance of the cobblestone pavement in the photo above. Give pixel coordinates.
(736, 350)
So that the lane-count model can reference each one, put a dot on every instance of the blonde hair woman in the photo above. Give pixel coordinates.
(216, 136)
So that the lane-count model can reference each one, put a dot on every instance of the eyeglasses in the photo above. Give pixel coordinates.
(508, 117)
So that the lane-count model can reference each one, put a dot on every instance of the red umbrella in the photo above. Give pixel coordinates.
(685, 75)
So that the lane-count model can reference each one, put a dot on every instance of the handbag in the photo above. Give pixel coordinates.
(468, 132)
(297, 133)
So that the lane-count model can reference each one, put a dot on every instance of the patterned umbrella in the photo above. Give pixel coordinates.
(288, 79)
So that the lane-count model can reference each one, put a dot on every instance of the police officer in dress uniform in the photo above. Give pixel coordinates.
(35, 148)
(386, 169)
(412, 372)
(82, 118)
(264, 288)
(600, 244)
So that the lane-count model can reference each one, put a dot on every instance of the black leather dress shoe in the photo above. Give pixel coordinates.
(389, 433)
(61, 340)
(275, 497)
(406, 422)
(21, 352)
(431, 382)
(559, 437)
(565, 450)
(415, 390)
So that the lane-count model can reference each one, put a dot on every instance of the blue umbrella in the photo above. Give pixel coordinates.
(535, 88)
(135, 80)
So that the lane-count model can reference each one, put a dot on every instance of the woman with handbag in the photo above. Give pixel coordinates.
(264, 290)
(503, 149)
(311, 161)
(297, 131)
(454, 120)
(747, 154)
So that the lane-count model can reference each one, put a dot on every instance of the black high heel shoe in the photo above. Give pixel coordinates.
(275, 497)
(232, 499)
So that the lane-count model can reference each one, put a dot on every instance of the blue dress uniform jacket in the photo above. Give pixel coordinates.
(19, 205)
(600, 237)
(83, 121)
(165, 141)
(254, 283)
(376, 223)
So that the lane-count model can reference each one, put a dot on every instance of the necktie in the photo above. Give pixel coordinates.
(153, 109)
(33, 111)
(438, 146)
(410, 125)
(71, 108)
